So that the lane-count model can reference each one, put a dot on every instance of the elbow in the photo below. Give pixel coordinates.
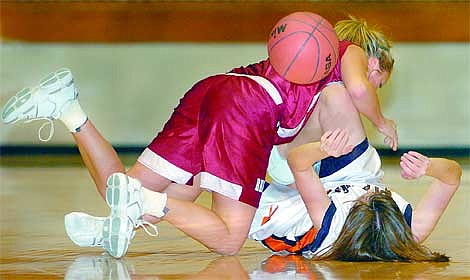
(456, 170)
(291, 162)
(295, 163)
(357, 91)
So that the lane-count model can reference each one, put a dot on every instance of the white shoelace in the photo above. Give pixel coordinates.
(144, 224)
(48, 122)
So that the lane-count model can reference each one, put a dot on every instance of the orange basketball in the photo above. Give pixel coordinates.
(303, 47)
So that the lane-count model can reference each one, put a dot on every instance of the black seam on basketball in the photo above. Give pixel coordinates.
(318, 48)
(322, 22)
(318, 22)
(285, 37)
(335, 50)
(299, 50)
(310, 35)
(318, 60)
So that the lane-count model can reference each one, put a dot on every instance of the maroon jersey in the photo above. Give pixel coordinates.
(226, 125)
(298, 100)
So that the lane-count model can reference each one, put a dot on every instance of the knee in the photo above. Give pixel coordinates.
(227, 250)
(227, 247)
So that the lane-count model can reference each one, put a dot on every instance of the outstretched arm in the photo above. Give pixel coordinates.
(354, 67)
(308, 183)
(446, 174)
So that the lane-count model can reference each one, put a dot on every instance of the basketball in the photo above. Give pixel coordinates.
(303, 47)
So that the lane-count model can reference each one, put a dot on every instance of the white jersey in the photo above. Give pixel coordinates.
(362, 165)
(282, 223)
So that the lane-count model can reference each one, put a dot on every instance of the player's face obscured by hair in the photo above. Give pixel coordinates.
(377, 77)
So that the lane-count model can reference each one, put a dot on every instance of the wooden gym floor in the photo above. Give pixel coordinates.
(34, 245)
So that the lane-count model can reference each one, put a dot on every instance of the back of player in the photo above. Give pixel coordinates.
(281, 222)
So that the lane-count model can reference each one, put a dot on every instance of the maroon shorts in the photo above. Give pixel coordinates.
(223, 128)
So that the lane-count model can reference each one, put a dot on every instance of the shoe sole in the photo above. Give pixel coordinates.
(116, 228)
(15, 106)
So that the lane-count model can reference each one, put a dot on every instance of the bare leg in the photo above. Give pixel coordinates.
(101, 160)
(99, 156)
(223, 229)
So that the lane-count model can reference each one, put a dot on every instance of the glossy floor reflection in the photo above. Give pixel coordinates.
(33, 244)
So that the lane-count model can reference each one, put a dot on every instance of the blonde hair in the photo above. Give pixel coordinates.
(372, 41)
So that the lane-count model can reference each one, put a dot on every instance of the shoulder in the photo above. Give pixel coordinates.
(352, 49)
(253, 69)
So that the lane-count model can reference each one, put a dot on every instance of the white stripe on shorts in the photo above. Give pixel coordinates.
(218, 185)
(276, 97)
(267, 85)
(289, 132)
(163, 167)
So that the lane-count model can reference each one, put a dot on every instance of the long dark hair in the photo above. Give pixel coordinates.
(376, 230)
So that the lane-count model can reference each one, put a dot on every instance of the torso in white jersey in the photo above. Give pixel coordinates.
(282, 223)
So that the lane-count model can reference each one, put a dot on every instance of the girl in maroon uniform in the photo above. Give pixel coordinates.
(218, 138)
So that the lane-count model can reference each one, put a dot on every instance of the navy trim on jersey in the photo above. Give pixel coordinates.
(330, 165)
(407, 214)
(283, 239)
(324, 230)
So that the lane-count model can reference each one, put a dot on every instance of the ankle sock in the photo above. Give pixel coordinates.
(154, 202)
(73, 116)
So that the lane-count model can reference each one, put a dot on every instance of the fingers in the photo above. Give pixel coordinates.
(405, 175)
(394, 142)
(324, 139)
(418, 155)
(406, 165)
(330, 138)
(416, 158)
(389, 130)
(326, 135)
(413, 165)
(341, 139)
(410, 161)
(335, 143)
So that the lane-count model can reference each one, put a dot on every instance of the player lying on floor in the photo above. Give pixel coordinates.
(352, 221)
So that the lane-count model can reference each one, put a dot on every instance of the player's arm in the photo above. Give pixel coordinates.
(354, 67)
(301, 159)
(446, 174)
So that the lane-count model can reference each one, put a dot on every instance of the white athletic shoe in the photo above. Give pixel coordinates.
(99, 268)
(84, 230)
(124, 197)
(46, 101)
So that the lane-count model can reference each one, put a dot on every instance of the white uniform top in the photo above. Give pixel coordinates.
(288, 216)
(362, 165)
(289, 219)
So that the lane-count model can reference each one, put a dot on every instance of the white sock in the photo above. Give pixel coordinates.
(154, 202)
(73, 116)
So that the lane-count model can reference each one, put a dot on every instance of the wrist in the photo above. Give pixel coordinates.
(380, 122)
